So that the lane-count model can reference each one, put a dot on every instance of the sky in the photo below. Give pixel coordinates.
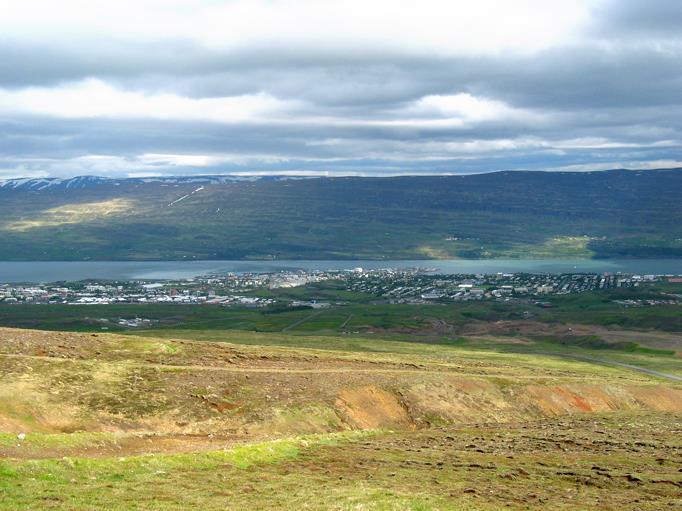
(354, 87)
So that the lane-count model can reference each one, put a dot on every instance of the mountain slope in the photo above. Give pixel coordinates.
(506, 214)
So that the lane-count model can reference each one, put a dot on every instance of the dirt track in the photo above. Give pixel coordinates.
(619, 364)
(300, 370)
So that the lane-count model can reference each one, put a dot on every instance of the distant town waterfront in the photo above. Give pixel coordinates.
(53, 271)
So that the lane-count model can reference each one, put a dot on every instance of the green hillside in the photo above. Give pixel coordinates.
(505, 214)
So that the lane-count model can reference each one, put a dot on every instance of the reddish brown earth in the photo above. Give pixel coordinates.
(61, 382)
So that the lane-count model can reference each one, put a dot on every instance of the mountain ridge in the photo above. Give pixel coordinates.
(80, 182)
(508, 214)
(83, 181)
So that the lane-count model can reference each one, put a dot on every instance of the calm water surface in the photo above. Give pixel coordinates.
(53, 271)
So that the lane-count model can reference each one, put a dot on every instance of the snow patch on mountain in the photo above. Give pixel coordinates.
(82, 182)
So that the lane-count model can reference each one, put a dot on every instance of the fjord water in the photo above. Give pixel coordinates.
(53, 271)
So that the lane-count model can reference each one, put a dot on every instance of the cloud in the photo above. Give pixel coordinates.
(206, 86)
(442, 26)
(94, 98)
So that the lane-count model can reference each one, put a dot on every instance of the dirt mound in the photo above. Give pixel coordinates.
(370, 407)
(464, 401)
(601, 398)
(459, 400)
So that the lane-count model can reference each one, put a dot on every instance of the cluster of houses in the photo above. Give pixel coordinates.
(78, 293)
(260, 289)
(410, 286)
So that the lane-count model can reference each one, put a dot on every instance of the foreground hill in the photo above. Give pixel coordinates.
(58, 381)
(118, 422)
(505, 214)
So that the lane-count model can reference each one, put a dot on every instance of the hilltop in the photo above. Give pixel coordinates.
(123, 421)
(505, 214)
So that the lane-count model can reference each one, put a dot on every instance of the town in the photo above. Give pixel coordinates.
(416, 285)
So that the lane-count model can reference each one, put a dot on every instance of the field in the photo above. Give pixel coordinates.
(196, 415)
(602, 462)
(360, 406)
(127, 421)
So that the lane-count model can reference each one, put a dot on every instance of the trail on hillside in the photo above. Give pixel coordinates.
(639, 369)
(295, 370)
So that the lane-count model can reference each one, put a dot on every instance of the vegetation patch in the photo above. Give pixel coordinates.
(73, 214)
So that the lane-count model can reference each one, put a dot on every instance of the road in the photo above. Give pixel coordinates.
(639, 369)
(343, 325)
(301, 321)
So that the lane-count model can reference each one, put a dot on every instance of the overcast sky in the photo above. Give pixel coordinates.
(149, 87)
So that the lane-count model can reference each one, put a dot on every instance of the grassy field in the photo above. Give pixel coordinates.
(625, 461)
(94, 421)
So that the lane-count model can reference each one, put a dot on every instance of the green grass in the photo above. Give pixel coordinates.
(84, 483)
(599, 308)
(579, 462)
(524, 358)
